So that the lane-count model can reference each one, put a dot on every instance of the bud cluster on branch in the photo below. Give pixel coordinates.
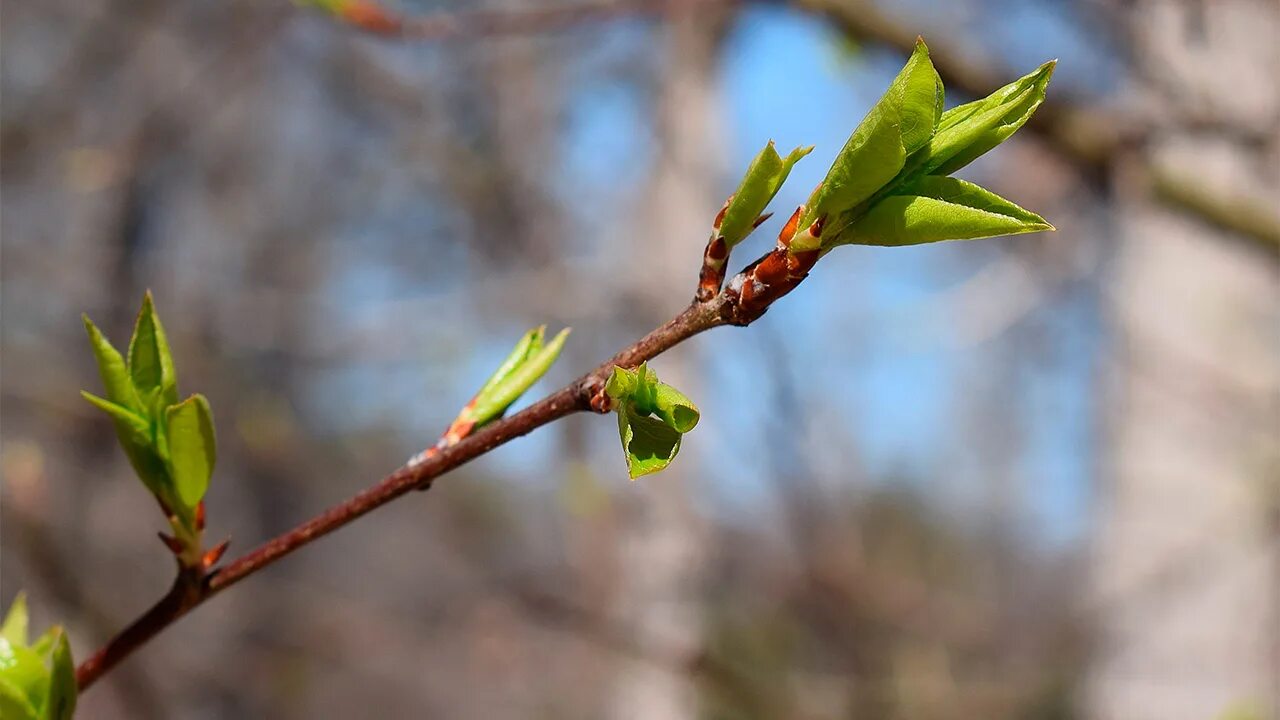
(888, 185)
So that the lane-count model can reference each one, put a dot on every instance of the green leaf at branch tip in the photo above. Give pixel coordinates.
(112, 368)
(969, 131)
(902, 121)
(648, 443)
(529, 343)
(61, 702)
(16, 621)
(764, 176)
(36, 680)
(494, 402)
(192, 448)
(150, 361)
(934, 208)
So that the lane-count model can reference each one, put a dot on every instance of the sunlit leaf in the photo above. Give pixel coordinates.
(968, 131)
(14, 703)
(673, 408)
(938, 208)
(15, 621)
(766, 174)
(648, 444)
(530, 342)
(900, 122)
(494, 401)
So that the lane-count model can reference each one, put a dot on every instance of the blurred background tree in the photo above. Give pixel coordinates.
(1033, 478)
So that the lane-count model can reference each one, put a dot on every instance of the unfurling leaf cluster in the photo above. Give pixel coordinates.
(37, 679)
(888, 184)
(652, 418)
(170, 443)
(528, 361)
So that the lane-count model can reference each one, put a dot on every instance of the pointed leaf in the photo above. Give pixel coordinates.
(497, 399)
(15, 621)
(528, 344)
(941, 209)
(649, 445)
(970, 130)
(150, 362)
(920, 97)
(192, 448)
(112, 368)
(133, 428)
(902, 121)
(61, 704)
(760, 184)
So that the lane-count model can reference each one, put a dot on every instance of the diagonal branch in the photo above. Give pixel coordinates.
(192, 588)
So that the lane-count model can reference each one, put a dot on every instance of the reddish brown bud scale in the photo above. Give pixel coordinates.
(170, 542)
(717, 249)
(215, 554)
(789, 230)
(761, 220)
(816, 228)
(720, 215)
(368, 16)
(200, 515)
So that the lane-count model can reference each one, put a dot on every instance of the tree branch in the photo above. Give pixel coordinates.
(193, 587)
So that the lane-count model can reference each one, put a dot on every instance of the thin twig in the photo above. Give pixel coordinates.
(190, 590)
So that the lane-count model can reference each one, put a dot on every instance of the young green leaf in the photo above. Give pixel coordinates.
(970, 130)
(622, 383)
(114, 372)
(648, 444)
(137, 441)
(766, 174)
(673, 408)
(494, 402)
(902, 121)
(14, 702)
(150, 362)
(61, 702)
(938, 208)
(24, 669)
(528, 344)
(16, 620)
(192, 448)
(133, 428)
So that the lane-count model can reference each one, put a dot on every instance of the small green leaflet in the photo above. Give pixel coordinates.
(940, 208)
(37, 681)
(528, 362)
(969, 131)
(649, 443)
(150, 362)
(192, 448)
(767, 172)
